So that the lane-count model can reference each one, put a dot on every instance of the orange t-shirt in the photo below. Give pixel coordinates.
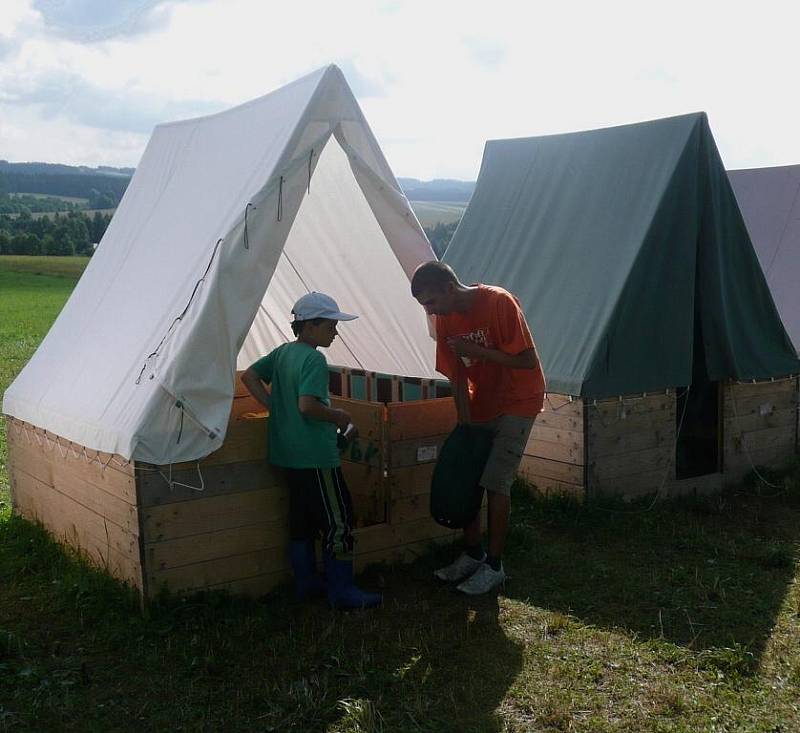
(495, 321)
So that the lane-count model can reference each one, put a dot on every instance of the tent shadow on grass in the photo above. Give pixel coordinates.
(704, 575)
(430, 659)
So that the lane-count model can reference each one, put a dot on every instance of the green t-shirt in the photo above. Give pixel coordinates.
(296, 441)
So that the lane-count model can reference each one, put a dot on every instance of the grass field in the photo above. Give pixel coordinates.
(684, 618)
(431, 213)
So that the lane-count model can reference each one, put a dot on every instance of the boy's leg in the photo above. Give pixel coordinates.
(302, 535)
(511, 437)
(335, 512)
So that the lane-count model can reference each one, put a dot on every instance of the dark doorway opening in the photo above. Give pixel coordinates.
(697, 417)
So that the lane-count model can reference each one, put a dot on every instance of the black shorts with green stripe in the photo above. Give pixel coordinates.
(320, 504)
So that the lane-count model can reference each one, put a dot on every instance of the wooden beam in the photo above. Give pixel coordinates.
(188, 518)
(409, 420)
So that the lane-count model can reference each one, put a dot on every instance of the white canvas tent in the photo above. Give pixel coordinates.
(769, 199)
(227, 221)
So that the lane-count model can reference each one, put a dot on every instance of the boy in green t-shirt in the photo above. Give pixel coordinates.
(303, 440)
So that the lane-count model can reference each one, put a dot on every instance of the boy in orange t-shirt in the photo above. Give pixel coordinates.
(484, 347)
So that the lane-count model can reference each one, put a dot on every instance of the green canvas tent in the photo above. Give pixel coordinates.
(628, 252)
(652, 317)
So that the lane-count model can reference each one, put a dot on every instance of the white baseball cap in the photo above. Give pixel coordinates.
(319, 305)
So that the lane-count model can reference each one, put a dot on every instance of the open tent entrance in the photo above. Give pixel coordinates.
(336, 245)
(698, 420)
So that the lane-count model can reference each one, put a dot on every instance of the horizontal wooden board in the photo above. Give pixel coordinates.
(559, 421)
(71, 461)
(216, 480)
(410, 480)
(363, 479)
(113, 510)
(416, 451)
(364, 450)
(400, 554)
(245, 440)
(631, 462)
(254, 587)
(368, 417)
(47, 441)
(533, 466)
(756, 404)
(563, 452)
(408, 420)
(408, 508)
(218, 572)
(757, 421)
(547, 434)
(187, 518)
(103, 543)
(784, 435)
(616, 409)
(247, 405)
(70, 480)
(614, 442)
(759, 389)
(383, 536)
(219, 543)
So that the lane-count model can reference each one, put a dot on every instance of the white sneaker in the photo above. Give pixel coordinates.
(483, 580)
(463, 567)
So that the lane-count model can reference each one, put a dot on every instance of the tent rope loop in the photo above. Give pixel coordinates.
(280, 199)
(172, 484)
(179, 405)
(246, 237)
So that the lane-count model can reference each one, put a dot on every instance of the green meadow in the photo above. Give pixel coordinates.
(682, 618)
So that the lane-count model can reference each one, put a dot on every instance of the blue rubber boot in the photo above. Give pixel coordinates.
(342, 592)
(307, 581)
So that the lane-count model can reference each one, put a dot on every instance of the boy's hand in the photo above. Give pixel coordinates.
(465, 347)
(342, 419)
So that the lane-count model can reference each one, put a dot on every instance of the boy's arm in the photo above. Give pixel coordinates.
(526, 359)
(255, 386)
(311, 407)
(515, 347)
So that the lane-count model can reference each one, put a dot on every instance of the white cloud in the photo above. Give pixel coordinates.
(435, 79)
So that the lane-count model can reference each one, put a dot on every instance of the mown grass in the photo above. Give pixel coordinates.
(683, 618)
(32, 292)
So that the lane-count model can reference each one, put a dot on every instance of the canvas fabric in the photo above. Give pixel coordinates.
(624, 245)
(227, 221)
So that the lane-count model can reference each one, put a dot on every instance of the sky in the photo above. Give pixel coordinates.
(83, 82)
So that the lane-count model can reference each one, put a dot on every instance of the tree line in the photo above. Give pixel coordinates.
(73, 233)
(440, 235)
(102, 191)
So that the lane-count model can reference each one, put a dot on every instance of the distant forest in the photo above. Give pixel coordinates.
(22, 231)
(73, 233)
(101, 187)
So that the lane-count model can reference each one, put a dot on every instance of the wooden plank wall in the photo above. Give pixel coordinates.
(631, 445)
(760, 426)
(222, 524)
(233, 534)
(554, 457)
(415, 433)
(85, 499)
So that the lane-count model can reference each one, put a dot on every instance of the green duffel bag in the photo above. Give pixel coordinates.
(456, 493)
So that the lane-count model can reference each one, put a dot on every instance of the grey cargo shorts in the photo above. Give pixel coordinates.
(511, 434)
